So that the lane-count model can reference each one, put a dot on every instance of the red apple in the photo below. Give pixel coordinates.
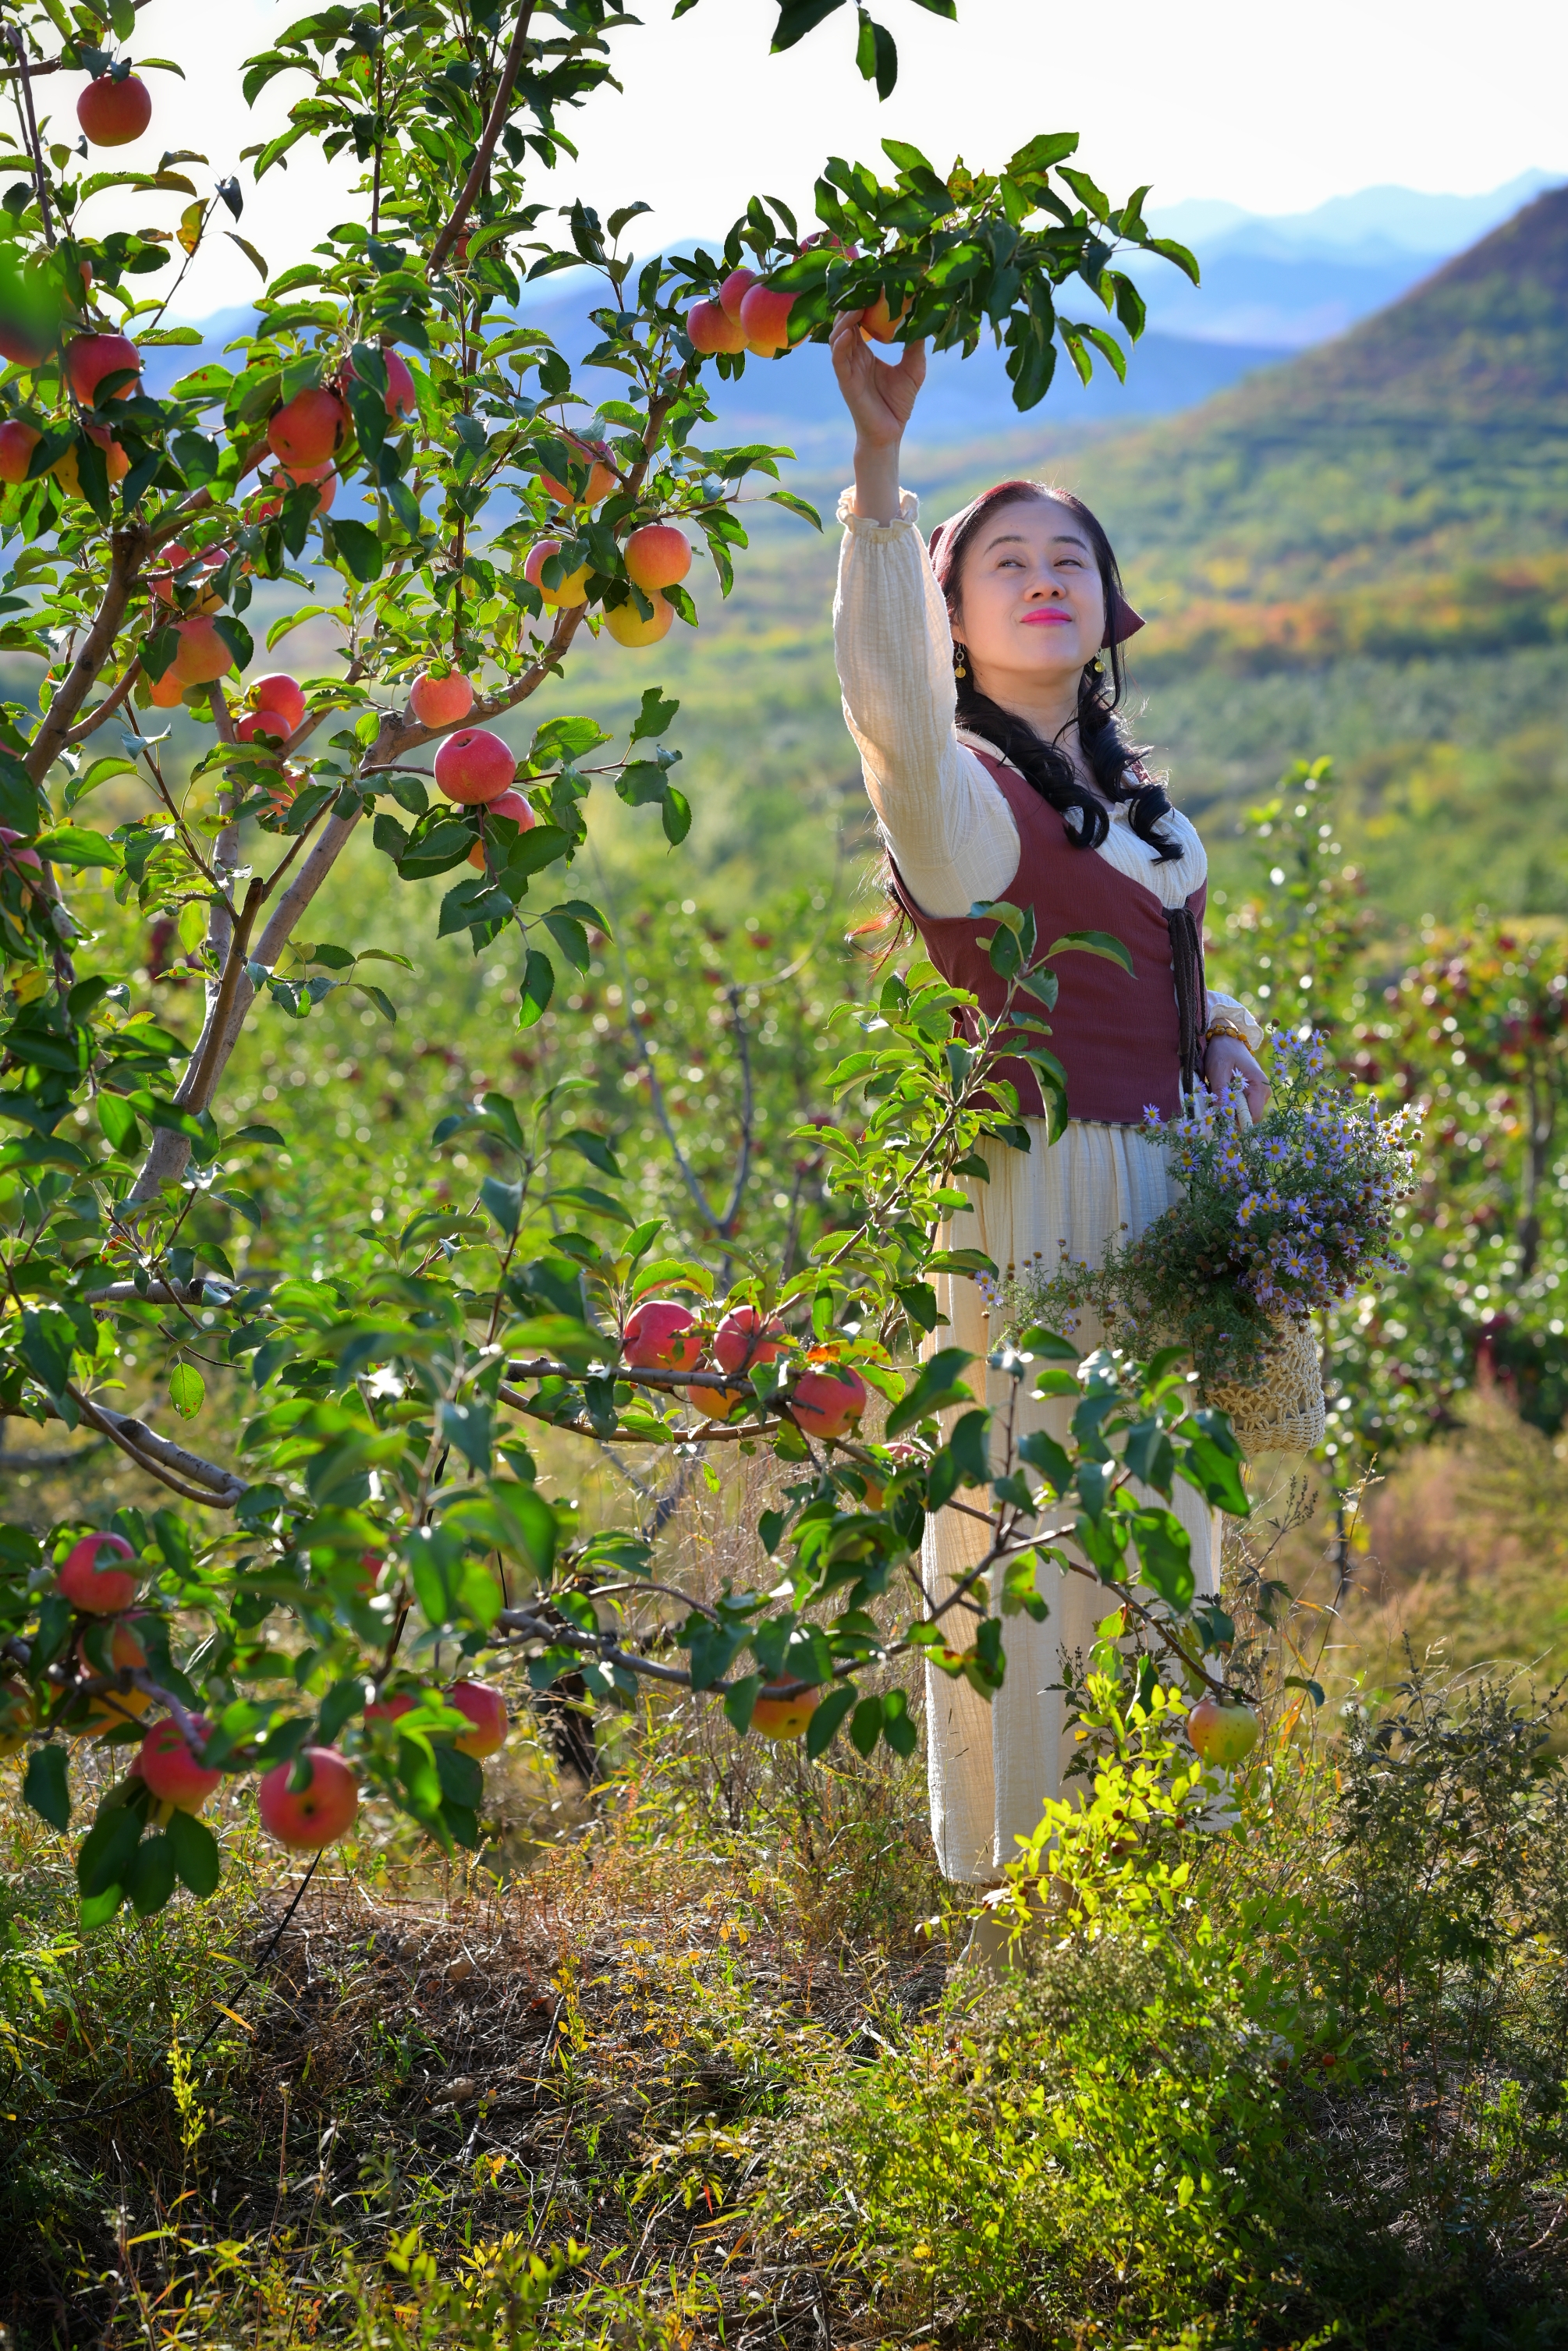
(116, 463)
(710, 328)
(308, 429)
(734, 291)
(17, 443)
(783, 1717)
(281, 694)
(20, 342)
(392, 1710)
(827, 1398)
(657, 556)
(178, 558)
(370, 1566)
(92, 357)
(572, 590)
(112, 113)
(98, 1591)
(473, 766)
(745, 1337)
(510, 804)
(628, 627)
(1222, 1732)
(320, 1812)
(660, 1337)
(765, 315)
(401, 397)
(202, 656)
(322, 479)
(167, 1763)
(441, 700)
(486, 1710)
(18, 857)
(602, 477)
(256, 723)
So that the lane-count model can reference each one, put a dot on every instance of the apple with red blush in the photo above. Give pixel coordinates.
(90, 1579)
(114, 109)
(440, 700)
(661, 1335)
(308, 1818)
(474, 765)
(828, 1398)
(172, 1768)
(485, 1709)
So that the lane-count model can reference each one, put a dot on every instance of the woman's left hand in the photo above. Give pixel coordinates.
(1225, 1057)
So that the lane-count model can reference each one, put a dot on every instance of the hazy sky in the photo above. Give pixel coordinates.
(1275, 108)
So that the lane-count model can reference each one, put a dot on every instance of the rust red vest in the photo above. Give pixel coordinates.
(1118, 1038)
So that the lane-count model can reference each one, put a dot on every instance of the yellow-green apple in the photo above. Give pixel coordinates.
(486, 1708)
(1223, 1732)
(571, 591)
(113, 112)
(15, 1715)
(662, 1336)
(765, 315)
(710, 329)
(657, 556)
(441, 700)
(628, 627)
(116, 463)
(91, 357)
(827, 1398)
(308, 430)
(316, 1815)
(473, 766)
(17, 443)
(107, 1709)
(88, 1581)
(170, 1768)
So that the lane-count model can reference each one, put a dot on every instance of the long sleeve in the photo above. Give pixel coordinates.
(1219, 1002)
(947, 827)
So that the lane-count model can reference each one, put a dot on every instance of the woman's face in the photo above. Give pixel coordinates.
(1032, 608)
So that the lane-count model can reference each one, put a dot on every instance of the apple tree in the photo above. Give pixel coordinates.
(394, 449)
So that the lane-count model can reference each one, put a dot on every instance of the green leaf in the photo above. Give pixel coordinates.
(104, 1859)
(538, 987)
(1095, 942)
(358, 548)
(72, 844)
(149, 1880)
(187, 1390)
(824, 1723)
(505, 1202)
(47, 1787)
(937, 1387)
(118, 1121)
(195, 1852)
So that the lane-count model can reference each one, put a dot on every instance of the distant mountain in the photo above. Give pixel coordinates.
(1294, 279)
(1432, 435)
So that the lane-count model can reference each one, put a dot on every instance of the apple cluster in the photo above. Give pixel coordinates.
(105, 1684)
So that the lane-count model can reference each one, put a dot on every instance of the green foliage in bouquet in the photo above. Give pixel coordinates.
(1275, 1220)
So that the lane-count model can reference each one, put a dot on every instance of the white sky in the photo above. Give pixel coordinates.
(1275, 108)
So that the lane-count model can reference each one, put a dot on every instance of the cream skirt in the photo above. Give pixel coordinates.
(992, 1765)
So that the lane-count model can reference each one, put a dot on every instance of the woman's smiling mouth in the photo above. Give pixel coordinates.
(1048, 616)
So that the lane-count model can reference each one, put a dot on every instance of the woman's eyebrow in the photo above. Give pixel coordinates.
(1018, 539)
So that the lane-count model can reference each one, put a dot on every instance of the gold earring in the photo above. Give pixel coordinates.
(960, 667)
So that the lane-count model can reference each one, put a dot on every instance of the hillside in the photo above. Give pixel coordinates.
(1432, 434)
(1358, 551)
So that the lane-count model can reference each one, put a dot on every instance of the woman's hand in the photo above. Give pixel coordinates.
(1225, 1057)
(881, 398)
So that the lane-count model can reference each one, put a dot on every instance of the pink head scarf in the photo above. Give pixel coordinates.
(1122, 622)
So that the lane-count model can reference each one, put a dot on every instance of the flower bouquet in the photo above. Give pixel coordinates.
(1274, 1220)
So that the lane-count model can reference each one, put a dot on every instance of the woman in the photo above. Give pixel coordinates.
(975, 686)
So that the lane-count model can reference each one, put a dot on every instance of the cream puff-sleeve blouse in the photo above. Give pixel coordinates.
(946, 825)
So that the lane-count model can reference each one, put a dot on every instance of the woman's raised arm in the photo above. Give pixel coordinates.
(948, 829)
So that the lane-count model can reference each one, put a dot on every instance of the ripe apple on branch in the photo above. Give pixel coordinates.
(391, 450)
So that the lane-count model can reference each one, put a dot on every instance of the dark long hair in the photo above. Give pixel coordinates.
(1116, 765)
